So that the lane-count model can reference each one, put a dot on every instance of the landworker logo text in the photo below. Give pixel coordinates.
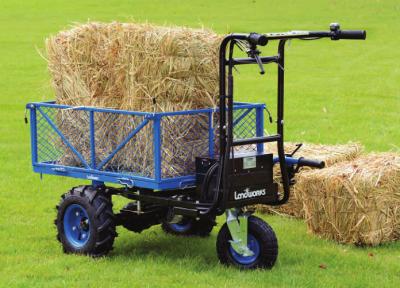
(249, 194)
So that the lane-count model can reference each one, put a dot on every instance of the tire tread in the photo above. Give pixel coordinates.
(264, 234)
(104, 219)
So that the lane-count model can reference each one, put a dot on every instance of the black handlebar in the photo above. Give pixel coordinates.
(310, 163)
(350, 34)
(335, 33)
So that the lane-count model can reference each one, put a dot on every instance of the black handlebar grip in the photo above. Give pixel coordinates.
(311, 163)
(352, 34)
(258, 39)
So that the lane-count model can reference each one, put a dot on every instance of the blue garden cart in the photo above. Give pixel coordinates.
(230, 169)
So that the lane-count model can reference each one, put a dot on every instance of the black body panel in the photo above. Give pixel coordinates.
(250, 179)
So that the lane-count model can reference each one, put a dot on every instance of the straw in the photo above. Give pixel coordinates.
(331, 154)
(138, 67)
(356, 201)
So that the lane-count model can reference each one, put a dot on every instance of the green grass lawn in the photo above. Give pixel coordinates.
(336, 92)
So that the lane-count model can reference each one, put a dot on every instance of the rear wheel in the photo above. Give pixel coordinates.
(261, 241)
(85, 222)
(190, 227)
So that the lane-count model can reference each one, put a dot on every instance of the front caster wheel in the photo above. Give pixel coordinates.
(85, 222)
(190, 227)
(261, 241)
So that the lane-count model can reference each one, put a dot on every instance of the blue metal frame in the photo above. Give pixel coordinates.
(93, 171)
(92, 141)
(211, 133)
(260, 127)
(157, 147)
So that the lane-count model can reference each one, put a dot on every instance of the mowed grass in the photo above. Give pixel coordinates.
(336, 92)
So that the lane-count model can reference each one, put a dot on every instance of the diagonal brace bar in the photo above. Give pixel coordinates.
(123, 143)
(244, 114)
(65, 140)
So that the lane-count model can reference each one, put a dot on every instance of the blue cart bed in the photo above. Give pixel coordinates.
(78, 148)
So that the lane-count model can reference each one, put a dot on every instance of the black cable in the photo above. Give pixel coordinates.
(205, 186)
(312, 38)
(242, 45)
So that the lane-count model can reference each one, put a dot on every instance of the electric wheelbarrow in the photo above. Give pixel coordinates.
(235, 173)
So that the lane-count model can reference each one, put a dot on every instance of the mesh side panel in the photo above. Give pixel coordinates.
(184, 137)
(215, 119)
(136, 157)
(74, 125)
(50, 146)
(245, 127)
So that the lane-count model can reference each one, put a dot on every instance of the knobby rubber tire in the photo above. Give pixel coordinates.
(265, 237)
(102, 220)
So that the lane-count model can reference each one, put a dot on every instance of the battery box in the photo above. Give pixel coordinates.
(250, 178)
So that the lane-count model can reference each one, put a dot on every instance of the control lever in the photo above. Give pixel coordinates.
(254, 53)
(260, 64)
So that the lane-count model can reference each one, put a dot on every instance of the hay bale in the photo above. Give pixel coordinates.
(138, 67)
(355, 201)
(331, 154)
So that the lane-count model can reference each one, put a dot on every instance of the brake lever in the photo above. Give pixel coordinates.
(253, 52)
(260, 64)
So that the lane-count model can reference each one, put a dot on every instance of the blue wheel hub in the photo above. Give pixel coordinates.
(182, 226)
(253, 245)
(76, 225)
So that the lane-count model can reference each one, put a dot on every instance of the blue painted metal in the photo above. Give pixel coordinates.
(123, 143)
(182, 226)
(94, 171)
(97, 183)
(118, 178)
(253, 245)
(260, 126)
(65, 140)
(210, 134)
(92, 132)
(157, 147)
(197, 111)
(52, 104)
(240, 118)
(76, 225)
(33, 134)
(289, 160)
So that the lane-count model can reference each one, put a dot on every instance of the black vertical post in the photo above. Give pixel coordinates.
(222, 97)
(230, 97)
(222, 114)
(280, 120)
